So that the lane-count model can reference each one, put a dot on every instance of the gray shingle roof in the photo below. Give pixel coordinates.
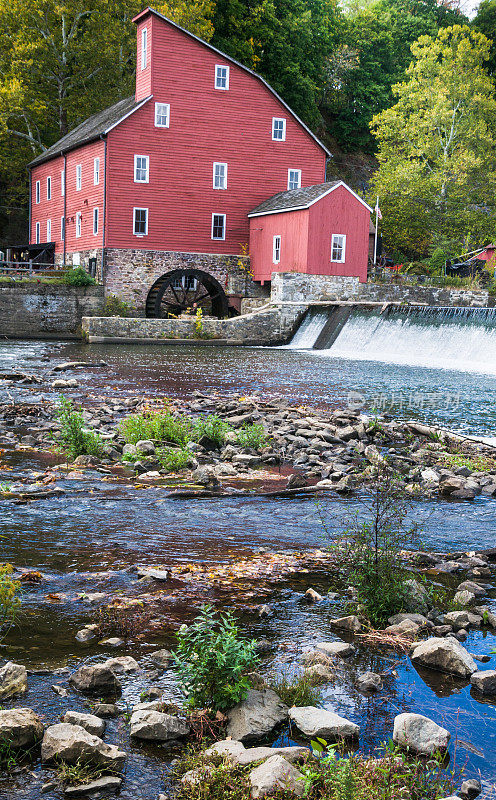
(90, 129)
(294, 198)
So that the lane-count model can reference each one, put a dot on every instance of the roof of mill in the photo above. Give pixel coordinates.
(294, 199)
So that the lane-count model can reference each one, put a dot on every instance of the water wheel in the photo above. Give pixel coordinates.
(184, 291)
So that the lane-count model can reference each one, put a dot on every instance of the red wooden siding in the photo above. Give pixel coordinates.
(144, 76)
(47, 209)
(292, 227)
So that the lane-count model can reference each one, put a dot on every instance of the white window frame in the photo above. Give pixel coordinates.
(37, 192)
(223, 176)
(220, 77)
(159, 112)
(62, 182)
(144, 48)
(296, 172)
(342, 244)
(79, 225)
(134, 222)
(37, 234)
(146, 179)
(96, 219)
(276, 248)
(283, 131)
(49, 230)
(218, 238)
(49, 187)
(79, 177)
(62, 229)
(96, 171)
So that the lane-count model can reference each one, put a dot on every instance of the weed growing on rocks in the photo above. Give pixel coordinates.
(252, 436)
(79, 773)
(173, 459)
(161, 426)
(213, 427)
(299, 689)
(73, 439)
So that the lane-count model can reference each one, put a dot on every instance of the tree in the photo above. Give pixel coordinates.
(485, 22)
(437, 146)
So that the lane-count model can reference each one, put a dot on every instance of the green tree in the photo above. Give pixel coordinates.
(485, 22)
(436, 146)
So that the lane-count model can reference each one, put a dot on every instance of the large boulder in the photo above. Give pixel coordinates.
(256, 716)
(316, 722)
(484, 681)
(89, 722)
(72, 743)
(13, 680)
(20, 727)
(96, 679)
(276, 774)
(472, 587)
(445, 655)
(158, 727)
(121, 664)
(420, 734)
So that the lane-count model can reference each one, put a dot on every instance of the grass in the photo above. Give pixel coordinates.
(80, 773)
(474, 463)
(299, 689)
(73, 439)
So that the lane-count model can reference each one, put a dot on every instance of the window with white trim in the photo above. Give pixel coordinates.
(218, 226)
(220, 175)
(62, 182)
(78, 224)
(96, 171)
(294, 178)
(95, 221)
(338, 247)
(49, 188)
(221, 77)
(162, 115)
(37, 233)
(276, 249)
(141, 171)
(278, 129)
(140, 224)
(37, 191)
(144, 48)
(79, 177)
(62, 229)
(49, 230)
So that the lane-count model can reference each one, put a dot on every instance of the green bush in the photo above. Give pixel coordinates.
(173, 459)
(115, 307)
(79, 277)
(9, 598)
(213, 427)
(73, 440)
(252, 436)
(213, 661)
(437, 260)
(160, 426)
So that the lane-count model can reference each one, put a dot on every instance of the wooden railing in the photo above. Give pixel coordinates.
(33, 268)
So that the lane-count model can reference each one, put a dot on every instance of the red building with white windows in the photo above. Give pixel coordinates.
(165, 179)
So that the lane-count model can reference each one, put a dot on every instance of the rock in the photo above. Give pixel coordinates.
(373, 456)
(445, 655)
(60, 690)
(72, 743)
(97, 679)
(205, 476)
(320, 671)
(430, 476)
(236, 752)
(419, 619)
(121, 664)
(405, 628)
(256, 716)
(470, 789)
(129, 450)
(13, 680)
(114, 641)
(420, 734)
(296, 481)
(276, 774)
(145, 447)
(264, 611)
(474, 588)
(156, 574)
(340, 649)
(158, 727)
(351, 624)
(61, 383)
(327, 725)
(484, 681)
(227, 748)
(451, 485)
(462, 619)
(195, 776)
(369, 682)
(106, 710)
(464, 598)
(89, 722)
(417, 598)
(20, 727)
(86, 634)
(311, 596)
(162, 658)
(99, 787)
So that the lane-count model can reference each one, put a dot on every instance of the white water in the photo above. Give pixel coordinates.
(307, 334)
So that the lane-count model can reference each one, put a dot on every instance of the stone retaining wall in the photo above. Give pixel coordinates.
(40, 310)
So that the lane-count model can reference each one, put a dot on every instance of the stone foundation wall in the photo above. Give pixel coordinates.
(297, 287)
(40, 310)
(431, 296)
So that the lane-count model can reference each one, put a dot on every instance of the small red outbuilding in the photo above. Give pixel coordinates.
(318, 230)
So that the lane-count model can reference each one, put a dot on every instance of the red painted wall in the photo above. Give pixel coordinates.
(306, 238)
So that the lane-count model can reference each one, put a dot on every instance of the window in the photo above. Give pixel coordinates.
(294, 178)
(96, 171)
(220, 175)
(278, 129)
(144, 48)
(141, 169)
(162, 115)
(187, 282)
(62, 229)
(140, 221)
(49, 230)
(276, 249)
(49, 189)
(338, 247)
(218, 226)
(37, 233)
(221, 77)
(37, 191)
(95, 221)
(78, 224)
(79, 176)
(62, 182)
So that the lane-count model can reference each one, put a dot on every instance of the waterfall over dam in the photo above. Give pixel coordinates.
(438, 337)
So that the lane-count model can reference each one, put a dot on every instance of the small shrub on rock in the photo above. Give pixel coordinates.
(213, 661)
(9, 598)
(252, 436)
(73, 439)
(173, 459)
(79, 277)
(213, 427)
(160, 426)
(115, 307)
